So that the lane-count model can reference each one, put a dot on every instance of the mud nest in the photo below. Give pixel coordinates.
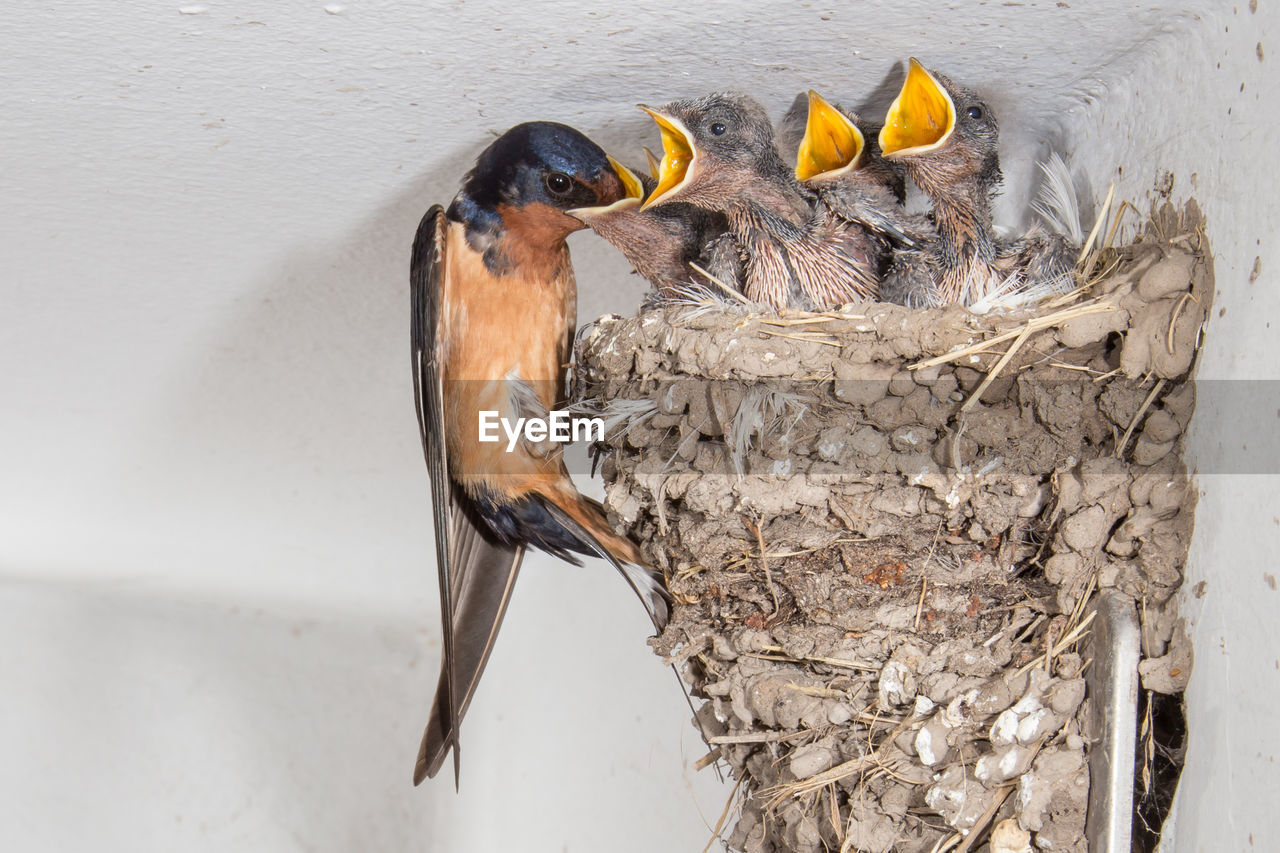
(884, 530)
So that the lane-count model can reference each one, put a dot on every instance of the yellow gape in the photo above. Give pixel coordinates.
(831, 142)
(677, 155)
(921, 118)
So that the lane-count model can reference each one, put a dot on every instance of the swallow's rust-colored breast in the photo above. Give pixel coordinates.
(499, 329)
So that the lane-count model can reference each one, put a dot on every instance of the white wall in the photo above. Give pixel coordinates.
(216, 590)
(1201, 102)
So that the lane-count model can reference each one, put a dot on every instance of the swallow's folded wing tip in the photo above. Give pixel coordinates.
(426, 296)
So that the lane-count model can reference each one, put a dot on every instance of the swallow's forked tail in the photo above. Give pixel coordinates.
(485, 571)
(586, 521)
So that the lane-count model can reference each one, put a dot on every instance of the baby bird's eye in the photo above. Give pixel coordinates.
(975, 112)
(558, 183)
(718, 129)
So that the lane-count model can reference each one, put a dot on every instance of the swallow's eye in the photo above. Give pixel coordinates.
(558, 183)
(718, 129)
(975, 113)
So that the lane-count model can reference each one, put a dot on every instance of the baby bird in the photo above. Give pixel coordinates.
(949, 143)
(719, 155)
(666, 245)
(831, 142)
(948, 140)
(837, 161)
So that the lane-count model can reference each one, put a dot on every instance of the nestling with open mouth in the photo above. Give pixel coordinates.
(839, 158)
(669, 245)
(948, 140)
(719, 155)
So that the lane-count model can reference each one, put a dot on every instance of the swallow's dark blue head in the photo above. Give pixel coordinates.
(541, 162)
(522, 184)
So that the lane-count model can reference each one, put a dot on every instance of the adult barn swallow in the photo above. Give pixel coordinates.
(494, 304)
(719, 154)
(663, 244)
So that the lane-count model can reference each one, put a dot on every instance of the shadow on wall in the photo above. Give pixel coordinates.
(233, 723)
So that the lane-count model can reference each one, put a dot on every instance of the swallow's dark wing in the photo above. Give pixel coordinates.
(426, 290)
(485, 573)
(476, 572)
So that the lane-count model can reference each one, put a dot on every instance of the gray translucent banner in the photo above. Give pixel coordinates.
(1235, 428)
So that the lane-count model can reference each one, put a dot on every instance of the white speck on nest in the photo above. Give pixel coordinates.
(1028, 703)
(1005, 729)
(958, 711)
(1005, 763)
(1009, 762)
(1026, 789)
(1030, 727)
(924, 747)
(897, 684)
(193, 10)
(940, 797)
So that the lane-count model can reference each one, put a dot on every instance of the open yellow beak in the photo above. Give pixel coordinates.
(630, 184)
(655, 165)
(832, 144)
(678, 156)
(921, 118)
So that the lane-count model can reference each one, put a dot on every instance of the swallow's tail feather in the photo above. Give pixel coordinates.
(585, 520)
(485, 572)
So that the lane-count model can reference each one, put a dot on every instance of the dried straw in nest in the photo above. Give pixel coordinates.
(884, 529)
